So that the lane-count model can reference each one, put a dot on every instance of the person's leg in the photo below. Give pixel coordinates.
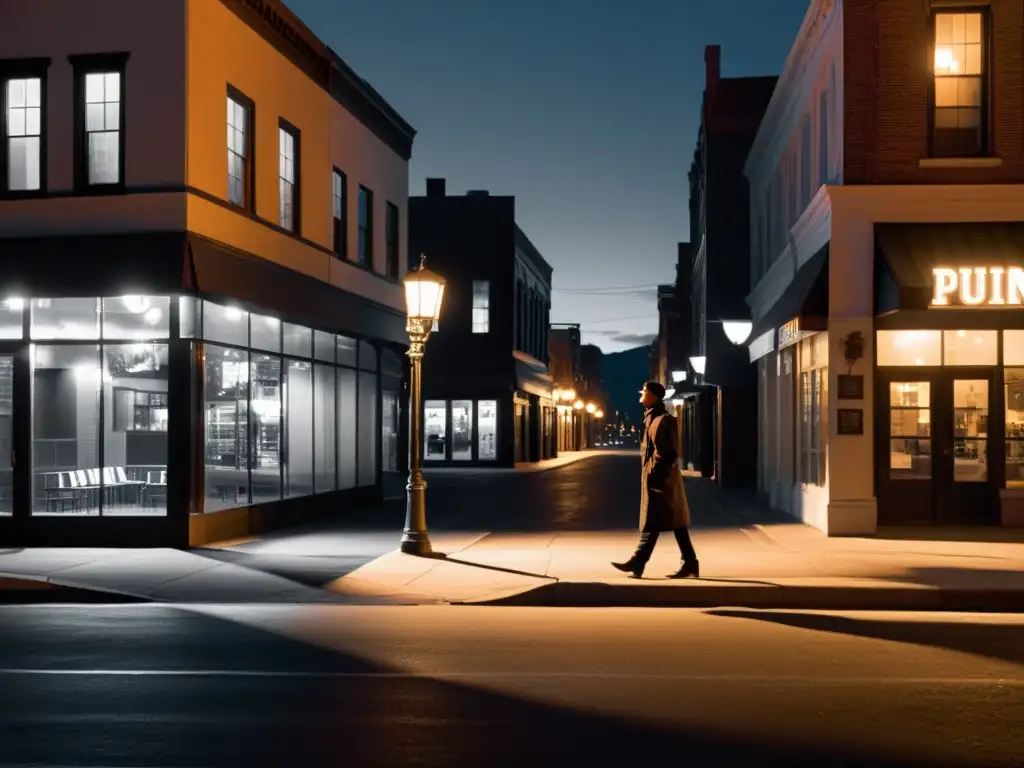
(690, 566)
(643, 552)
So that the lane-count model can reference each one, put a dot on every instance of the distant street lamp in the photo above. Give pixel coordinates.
(424, 292)
(591, 408)
(678, 376)
(578, 405)
(737, 331)
(599, 414)
(699, 363)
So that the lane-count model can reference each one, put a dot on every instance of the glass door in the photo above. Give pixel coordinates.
(905, 452)
(967, 492)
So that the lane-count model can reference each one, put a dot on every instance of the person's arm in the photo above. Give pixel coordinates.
(665, 454)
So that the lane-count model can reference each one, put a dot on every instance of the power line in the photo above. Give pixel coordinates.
(617, 319)
(606, 290)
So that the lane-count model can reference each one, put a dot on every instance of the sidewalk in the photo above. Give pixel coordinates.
(750, 557)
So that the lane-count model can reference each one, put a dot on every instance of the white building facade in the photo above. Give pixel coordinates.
(881, 184)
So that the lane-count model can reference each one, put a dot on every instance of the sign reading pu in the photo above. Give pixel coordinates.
(978, 286)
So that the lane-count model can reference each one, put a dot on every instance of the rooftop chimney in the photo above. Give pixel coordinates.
(435, 188)
(712, 65)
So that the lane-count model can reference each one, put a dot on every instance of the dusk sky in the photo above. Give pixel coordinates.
(586, 110)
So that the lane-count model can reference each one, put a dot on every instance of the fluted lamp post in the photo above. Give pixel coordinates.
(424, 292)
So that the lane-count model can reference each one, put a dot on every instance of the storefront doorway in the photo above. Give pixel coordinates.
(939, 452)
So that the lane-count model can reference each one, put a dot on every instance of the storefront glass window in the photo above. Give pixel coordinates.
(228, 325)
(11, 311)
(298, 414)
(6, 435)
(909, 348)
(435, 421)
(137, 317)
(910, 445)
(135, 413)
(971, 347)
(65, 318)
(227, 445)
(487, 429)
(190, 317)
(814, 403)
(347, 351)
(298, 340)
(323, 346)
(970, 430)
(324, 420)
(368, 428)
(367, 356)
(347, 410)
(66, 429)
(389, 430)
(265, 427)
(462, 430)
(266, 333)
(1013, 347)
(1014, 383)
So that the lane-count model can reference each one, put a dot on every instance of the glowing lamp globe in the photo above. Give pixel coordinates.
(424, 292)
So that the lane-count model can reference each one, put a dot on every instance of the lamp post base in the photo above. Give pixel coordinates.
(416, 543)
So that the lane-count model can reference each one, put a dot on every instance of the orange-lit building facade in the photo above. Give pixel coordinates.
(202, 241)
(887, 217)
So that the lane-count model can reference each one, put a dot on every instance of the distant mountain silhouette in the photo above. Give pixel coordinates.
(624, 374)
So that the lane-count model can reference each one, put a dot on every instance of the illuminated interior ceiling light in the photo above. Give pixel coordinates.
(153, 315)
(670, 392)
(14, 304)
(699, 363)
(945, 63)
(233, 313)
(678, 376)
(135, 304)
(737, 331)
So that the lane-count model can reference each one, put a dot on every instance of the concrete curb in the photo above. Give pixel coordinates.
(20, 590)
(853, 598)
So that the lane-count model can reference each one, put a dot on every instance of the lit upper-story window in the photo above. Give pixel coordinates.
(959, 97)
(288, 176)
(481, 306)
(103, 127)
(240, 177)
(339, 196)
(23, 133)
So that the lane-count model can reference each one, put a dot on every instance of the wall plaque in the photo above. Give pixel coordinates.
(850, 421)
(850, 387)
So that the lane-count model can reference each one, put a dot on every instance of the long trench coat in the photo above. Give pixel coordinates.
(663, 505)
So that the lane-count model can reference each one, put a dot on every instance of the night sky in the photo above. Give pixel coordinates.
(585, 110)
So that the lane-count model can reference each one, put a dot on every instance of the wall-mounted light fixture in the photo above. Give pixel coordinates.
(699, 363)
(678, 376)
(737, 331)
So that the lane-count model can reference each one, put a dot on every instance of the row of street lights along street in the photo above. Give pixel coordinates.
(569, 396)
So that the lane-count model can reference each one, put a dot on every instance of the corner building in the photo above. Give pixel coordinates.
(887, 216)
(202, 241)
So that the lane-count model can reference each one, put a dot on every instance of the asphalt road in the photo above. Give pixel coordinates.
(254, 686)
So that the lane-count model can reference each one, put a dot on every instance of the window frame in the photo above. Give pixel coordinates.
(91, 64)
(985, 149)
(296, 134)
(812, 391)
(392, 239)
(365, 258)
(487, 308)
(340, 225)
(249, 161)
(23, 69)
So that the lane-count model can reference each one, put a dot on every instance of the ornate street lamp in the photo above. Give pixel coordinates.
(424, 292)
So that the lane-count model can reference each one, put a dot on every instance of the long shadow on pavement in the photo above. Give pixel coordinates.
(311, 707)
(996, 641)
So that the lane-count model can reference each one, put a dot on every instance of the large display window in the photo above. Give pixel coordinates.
(435, 430)
(487, 429)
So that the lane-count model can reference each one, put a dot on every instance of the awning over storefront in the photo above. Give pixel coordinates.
(803, 306)
(907, 254)
(533, 379)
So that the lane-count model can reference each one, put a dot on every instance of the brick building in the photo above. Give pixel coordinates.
(887, 220)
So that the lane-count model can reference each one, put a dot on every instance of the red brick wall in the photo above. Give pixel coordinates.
(887, 56)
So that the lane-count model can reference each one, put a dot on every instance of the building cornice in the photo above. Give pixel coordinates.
(801, 65)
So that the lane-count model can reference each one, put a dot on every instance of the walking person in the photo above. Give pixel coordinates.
(663, 505)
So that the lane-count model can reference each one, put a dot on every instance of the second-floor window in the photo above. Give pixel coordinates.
(239, 150)
(391, 262)
(481, 306)
(23, 133)
(339, 195)
(103, 134)
(288, 177)
(958, 119)
(365, 253)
